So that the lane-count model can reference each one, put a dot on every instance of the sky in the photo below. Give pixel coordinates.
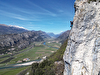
(46, 15)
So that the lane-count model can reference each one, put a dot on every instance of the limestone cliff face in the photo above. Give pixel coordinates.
(82, 55)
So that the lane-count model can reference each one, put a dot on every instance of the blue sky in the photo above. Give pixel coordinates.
(46, 15)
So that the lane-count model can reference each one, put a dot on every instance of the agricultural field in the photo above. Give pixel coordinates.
(13, 71)
(32, 53)
(53, 44)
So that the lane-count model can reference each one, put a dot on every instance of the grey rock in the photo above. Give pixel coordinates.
(82, 55)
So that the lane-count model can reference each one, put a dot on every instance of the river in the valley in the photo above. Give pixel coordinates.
(26, 63)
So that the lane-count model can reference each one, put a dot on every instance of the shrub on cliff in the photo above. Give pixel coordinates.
(44, 68)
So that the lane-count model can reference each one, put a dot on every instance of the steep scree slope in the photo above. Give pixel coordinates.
(82, 55)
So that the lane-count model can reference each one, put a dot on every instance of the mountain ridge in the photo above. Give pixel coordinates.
(64, 36)
(20, 40)
(6, 29)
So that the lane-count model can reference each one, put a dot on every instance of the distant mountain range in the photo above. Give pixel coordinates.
(54, 35)
(18, 37)
(63, 36)
(5, 29)
(21, 38)
(43, 34)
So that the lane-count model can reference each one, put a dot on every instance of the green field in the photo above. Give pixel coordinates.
(12, 71)
(36, 52)
(53, 44)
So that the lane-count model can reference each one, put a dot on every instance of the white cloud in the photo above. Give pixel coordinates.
(46, 12)
(61, 31)
(18, 16)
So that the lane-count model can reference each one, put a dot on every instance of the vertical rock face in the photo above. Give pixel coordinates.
(82, 55)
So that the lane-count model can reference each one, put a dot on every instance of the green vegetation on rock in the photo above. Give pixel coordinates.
(58, 56)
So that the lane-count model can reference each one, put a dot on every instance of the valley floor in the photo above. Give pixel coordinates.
(31, 53)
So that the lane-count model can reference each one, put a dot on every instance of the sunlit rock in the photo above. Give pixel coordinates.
(82, 55)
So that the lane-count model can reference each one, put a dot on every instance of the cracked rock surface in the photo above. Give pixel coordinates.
(82, 55)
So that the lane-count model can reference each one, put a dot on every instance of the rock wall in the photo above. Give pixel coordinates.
(82, 55)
